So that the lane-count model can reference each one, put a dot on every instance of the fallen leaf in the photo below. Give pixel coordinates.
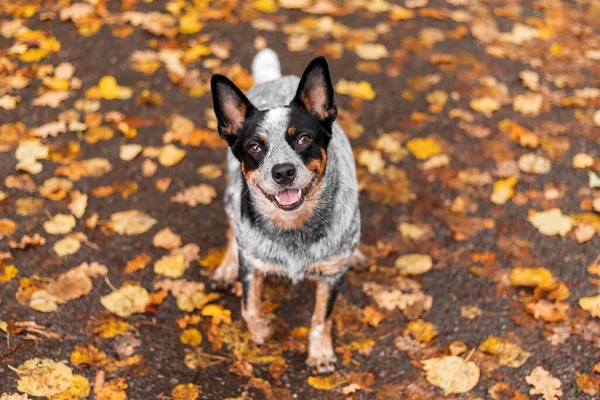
(551, 222)
(504, 190)
(131, 222)
(423, 148)
(43, 377)
(172, 266)
(508, 353)
(166, 239)
(591, 305)
(191, 336)
(137, 263)
(532, 277)
(60, 224)
(360, 90)
(126, 301)
(414, 264)
(452, 374)
(194, 195)
(534, 164)
(170, 155)
(544, 384)
(328, 382)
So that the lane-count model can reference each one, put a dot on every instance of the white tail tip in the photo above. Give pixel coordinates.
(265, 66)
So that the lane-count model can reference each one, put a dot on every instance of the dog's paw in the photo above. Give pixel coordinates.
(322, 361)
(260, 329)
(359, 261)
(225, 275)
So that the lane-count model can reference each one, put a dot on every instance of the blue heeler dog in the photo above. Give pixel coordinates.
(292, 196)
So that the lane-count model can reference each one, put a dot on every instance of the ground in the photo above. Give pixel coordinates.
(476, 132)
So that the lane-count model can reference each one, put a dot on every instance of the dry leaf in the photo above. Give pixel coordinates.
(43, 377)
(194, 195)
(551, 222)
(126, 301)
(60, 224)
(544, 384)
(452, 374)
(131, 222)
(414, 264)
(166, 239)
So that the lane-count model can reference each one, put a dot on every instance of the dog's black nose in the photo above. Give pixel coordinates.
(284, 173)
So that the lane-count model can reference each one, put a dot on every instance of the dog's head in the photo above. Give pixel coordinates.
(282, 151)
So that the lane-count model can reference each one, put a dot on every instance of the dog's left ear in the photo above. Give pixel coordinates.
(315, 92)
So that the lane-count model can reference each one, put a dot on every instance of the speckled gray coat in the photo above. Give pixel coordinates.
(332, 230)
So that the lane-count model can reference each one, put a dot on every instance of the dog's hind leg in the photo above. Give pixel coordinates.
(228, 271)
(320, 349)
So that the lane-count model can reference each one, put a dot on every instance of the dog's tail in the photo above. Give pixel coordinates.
(265, 66)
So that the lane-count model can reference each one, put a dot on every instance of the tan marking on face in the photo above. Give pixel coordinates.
(332, 266)
(262, 137)
(291, 131)
(259, 327)
(318, 166)
(227, 272)
(247, 174)
(320, 348)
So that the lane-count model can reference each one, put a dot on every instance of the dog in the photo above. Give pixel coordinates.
(291, 195)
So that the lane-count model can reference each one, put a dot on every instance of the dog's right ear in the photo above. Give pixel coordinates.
(232, 108)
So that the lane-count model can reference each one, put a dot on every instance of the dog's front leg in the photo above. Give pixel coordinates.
(320, 346)
(252, 283)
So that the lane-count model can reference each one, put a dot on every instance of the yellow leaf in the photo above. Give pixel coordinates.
(504, 190)
(131, 222)
(60, 224)
(90, 355)
(166, 239)
(33, 55)
(414, 264)
(582, 160)
(328, 382)
(54, 83)
(186, 391)
(508, 353)
(170, 155)
(360, 90)
(7, 272)
(191, 336)
(189, 24)
(372, 160)
(126, 301)
(43, 377)
(421, 331)
(111, 329)
(591, 305)
(217, 312)
(423, 148)
(452, 374)
(485, 105)
(67, 246)
(551, 222)
(98, 133)
(108, 87)
(532, 277)
(80, 389)
(267, 6)
(172, 266)
(7, 227)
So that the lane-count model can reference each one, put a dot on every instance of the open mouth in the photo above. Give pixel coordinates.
(288, 199)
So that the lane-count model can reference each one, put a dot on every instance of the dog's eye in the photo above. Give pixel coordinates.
(254, 148)
(304, 139)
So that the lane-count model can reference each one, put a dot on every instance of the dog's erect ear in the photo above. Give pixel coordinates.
(231, 107)
(315, 91)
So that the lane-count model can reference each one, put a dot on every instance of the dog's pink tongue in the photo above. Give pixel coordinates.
(288, 196)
